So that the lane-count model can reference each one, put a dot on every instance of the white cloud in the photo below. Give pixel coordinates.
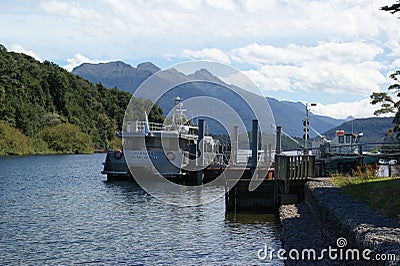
(275, 83)
(396, 63)
(332, 67)
(19, 49)
(67, 9)
(355, 52)
(207, 54)
(140, 29)
(225, 5)
(78, 60)
(342, 110)
(329, 48)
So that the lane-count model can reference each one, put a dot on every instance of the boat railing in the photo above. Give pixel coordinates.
(140, 126)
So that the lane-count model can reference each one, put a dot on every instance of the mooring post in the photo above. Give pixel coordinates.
(254, 146)
(235, 144)
(200, 155)
(278, 139)
(277, 152)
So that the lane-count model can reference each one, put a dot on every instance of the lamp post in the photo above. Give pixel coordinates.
(306, 124)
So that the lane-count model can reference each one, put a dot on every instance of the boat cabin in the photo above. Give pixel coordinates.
(342, 144)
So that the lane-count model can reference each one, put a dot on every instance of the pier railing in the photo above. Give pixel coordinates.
(291, 168)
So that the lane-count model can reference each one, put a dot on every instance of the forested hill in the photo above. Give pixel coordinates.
(45, 109)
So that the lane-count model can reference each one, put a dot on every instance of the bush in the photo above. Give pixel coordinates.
(40, 146)
(65, 138)
(13, 141)
(115, 143)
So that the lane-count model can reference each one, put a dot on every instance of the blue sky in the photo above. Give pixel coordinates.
(331, 52)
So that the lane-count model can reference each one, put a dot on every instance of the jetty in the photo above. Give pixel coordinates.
(279, 177)
(281, 183)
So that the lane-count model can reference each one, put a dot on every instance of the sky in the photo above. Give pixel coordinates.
(335, 53)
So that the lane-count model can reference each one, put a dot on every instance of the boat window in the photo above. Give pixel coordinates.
(208, 147)
(341, 139)
(348, 139)
(193, 131)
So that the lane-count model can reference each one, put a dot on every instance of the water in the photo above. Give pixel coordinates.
(59, 210)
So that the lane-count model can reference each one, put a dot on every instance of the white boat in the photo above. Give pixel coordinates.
(162, 149)
(342, 144)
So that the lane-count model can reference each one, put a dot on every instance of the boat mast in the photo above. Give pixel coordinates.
(178, 116)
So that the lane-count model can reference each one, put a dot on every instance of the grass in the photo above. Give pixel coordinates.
(380, 193)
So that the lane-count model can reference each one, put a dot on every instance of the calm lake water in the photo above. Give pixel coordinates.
(58, 209)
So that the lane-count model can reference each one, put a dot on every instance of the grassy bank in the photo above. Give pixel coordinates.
(380, 193)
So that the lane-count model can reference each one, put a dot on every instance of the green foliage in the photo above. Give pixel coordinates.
(13, 141)
(138, 108)
(156, 113)
(392, 8)
(41, 147)
(390, 103)
(115, 143)
(387, 102)
(65, 138)
(34, 96)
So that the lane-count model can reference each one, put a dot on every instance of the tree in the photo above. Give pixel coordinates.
(393, 8)
(35, 95)
(387, 103)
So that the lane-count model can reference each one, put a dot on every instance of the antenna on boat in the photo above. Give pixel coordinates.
(146, 128)
(178, 115)
(175, 117)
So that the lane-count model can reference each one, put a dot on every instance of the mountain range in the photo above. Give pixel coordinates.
(289, 115)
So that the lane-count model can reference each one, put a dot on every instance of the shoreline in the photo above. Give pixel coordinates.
(327, 216)
(52, 153)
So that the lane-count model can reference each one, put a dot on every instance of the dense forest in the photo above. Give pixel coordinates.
(46, 109)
